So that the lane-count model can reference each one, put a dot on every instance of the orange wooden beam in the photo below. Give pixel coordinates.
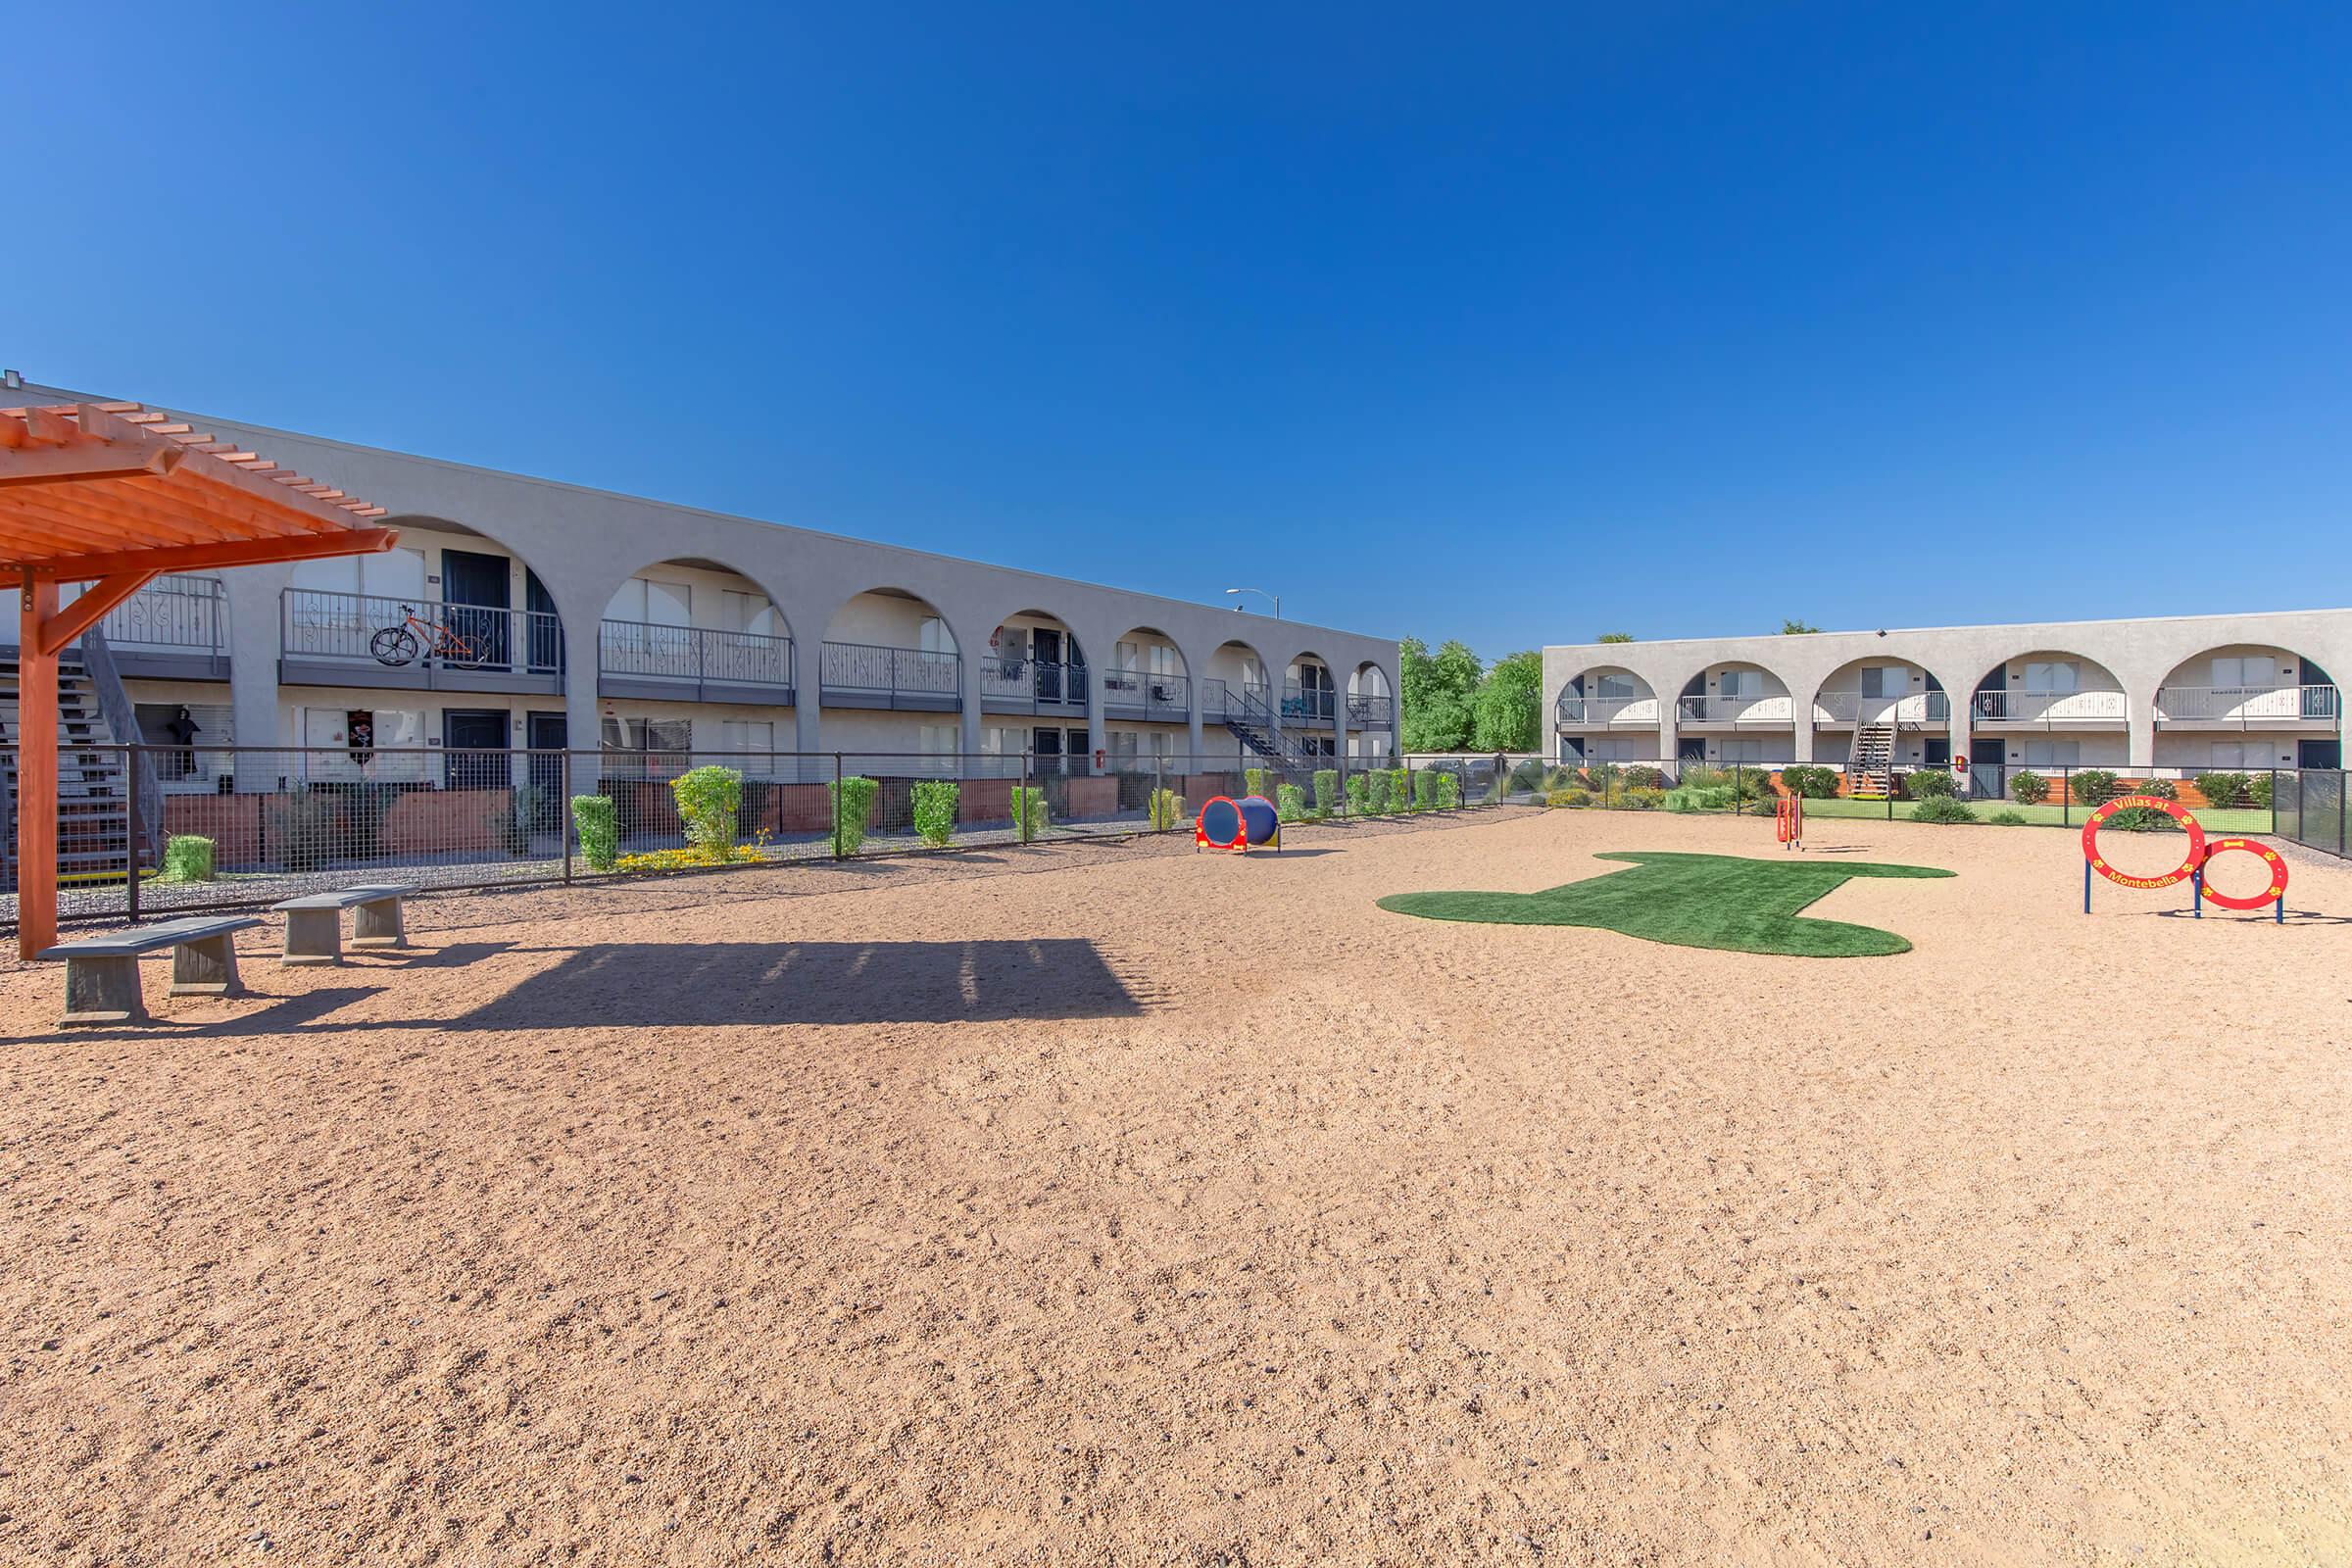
(36, 773)
(84, 613)
(97, 460)
(198, 557)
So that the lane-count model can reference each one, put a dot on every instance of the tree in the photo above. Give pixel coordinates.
(1797, 628)
(1508, 715)
(1614, 637)
(1437, 689)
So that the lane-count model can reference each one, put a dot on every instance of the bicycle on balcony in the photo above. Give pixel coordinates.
(401, 643)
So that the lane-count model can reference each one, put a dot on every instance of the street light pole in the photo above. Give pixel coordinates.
(1261, 593)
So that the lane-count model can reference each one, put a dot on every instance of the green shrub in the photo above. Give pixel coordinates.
(1568, 795)
(1360, 794)
(1642, 776)
(709, 799)
(1327, 790)
(2007, 819)
(1638, 798)
(597, 822)
(2147, 819)
(2026, 787)
(1943, 808)
(1401, 789)
(2258, 790)
(302, 827)
(2222, 789)
(1377, 785)
(2091, 785)
(1930, 783)
(852, 800)
(1449, 791)
(365, 806)
(1599, 777)
(1167, 810)
(511, 823)
(1424, 790)
(1687, 800)
(1029, 813)
(1811, 780)
(935, 802)
(1255, 777)
(187, 859)
(1289, 802)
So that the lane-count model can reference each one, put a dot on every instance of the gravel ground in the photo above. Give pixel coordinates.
(1110, 1202)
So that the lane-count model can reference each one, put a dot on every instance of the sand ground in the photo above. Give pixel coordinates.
(1121, 1204)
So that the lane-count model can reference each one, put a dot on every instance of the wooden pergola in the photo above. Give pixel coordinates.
(113, 494)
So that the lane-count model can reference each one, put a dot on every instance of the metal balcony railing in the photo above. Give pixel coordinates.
(1031, 682)
(865, 667)
(1131, 692)
(2248, 705)
(692, 657)
(1597, 711)
(2018, 705)
(1846, 708)
(1759, 709)
(428, 633)
(1372, 712)
(1216, 701)
(178, 615)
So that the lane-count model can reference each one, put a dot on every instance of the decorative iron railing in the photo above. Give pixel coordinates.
(878, 670)
(693, 655)
(376, 629)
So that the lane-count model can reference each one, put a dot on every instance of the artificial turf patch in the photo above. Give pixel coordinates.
(1691, 900)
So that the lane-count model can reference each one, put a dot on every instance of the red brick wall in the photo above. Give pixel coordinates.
(233, 822)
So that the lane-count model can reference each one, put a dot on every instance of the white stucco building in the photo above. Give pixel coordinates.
(522, 613)
(2175, 693)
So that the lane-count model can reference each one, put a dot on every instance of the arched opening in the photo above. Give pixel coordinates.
(1602, 699)
(1034, 664)
(2051, 708)
(1234, 684)
(1310, 693)
(2248, 707)
(1735, 712)
(892, 649)
(1148, 680)
(687, 630)
(1372, 711)
(447, 598)
(1877, 717)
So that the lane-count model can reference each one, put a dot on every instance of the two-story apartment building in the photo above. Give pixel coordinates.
(520, 613)
(2178, 693)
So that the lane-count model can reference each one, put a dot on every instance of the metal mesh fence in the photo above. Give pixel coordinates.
(161, 830)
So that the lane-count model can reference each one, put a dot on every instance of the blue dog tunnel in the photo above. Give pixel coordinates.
(1260, 817)
(1221, 822)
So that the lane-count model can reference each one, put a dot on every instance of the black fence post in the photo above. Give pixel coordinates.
(564, 808)
(837, 794)
(2066, 795)
(130, 831)
(1020, 798)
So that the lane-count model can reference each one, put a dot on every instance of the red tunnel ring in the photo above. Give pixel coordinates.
(2172, 809)
(2277, 889)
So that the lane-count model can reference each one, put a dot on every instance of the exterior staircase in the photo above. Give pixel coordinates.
(96, 836)
(1870, 763)
(1253, 724)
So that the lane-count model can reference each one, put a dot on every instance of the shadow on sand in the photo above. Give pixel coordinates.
(635, 986)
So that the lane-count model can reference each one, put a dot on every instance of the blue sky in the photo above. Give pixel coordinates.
(1511, 325)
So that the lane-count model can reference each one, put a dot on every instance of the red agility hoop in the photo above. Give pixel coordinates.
(2172, 808)
(2277, 890)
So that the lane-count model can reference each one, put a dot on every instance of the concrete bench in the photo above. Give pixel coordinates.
(315, 922)
(102, 973)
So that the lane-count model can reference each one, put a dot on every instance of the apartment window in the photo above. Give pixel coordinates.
(654, 604)
(749, 612)
(1614, 688)
(1882, 680)
(2246, 673)
(933, 638)
(2237, 754)
(2053, 754)
(1749, 750)
(2061, 675)
(1741, 683)
(748, 735)
(1127, 655)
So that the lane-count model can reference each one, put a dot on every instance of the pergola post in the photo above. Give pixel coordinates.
(37, 769)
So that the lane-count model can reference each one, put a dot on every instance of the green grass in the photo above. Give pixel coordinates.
(2228, 819)
(1691, 900)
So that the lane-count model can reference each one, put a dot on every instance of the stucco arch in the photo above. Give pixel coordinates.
(836, 628)
(784, 611)
(2020, 701)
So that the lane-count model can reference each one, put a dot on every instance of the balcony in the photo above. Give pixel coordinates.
(1140, 694)
(1372, 712)
(1216, 701)
(2007, 706)
(1599, 712)
(1915, 711)
(2248, 707)
(866, 676)
(1777, 711)
(692, 663)
(1304, 705)
(173, 628)
(1031, 686)
(331, 639)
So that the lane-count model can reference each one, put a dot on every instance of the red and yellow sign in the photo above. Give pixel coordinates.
(2278, 865)
(2172, 808)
